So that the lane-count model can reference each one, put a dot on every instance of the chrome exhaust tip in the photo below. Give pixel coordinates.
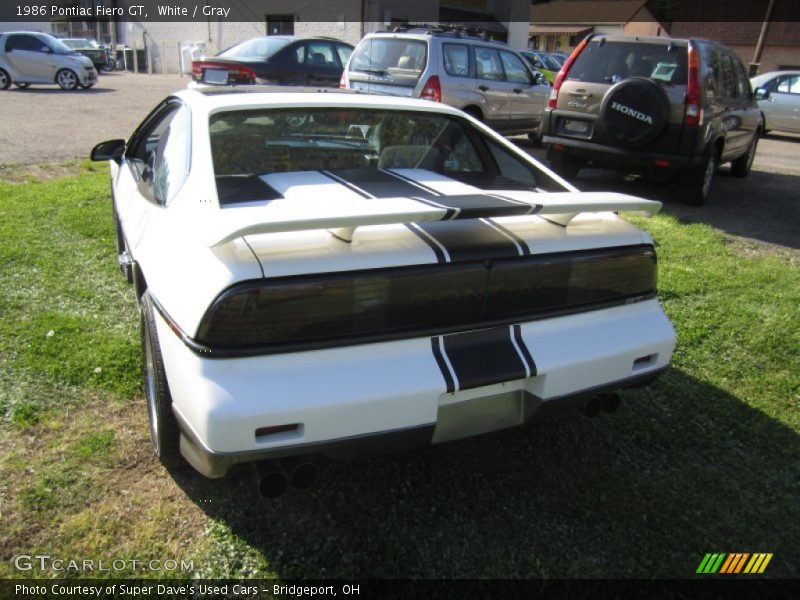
(270, 479)
(301, 472)
(610, 401)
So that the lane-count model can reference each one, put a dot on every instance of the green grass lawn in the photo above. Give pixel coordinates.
(707, 459)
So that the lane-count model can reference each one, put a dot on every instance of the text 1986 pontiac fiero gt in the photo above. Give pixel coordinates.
(342, 273)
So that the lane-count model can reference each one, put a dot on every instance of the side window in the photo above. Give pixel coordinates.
(742, 81)
(161, 154)
(710, 59)
(344, 53)
(789, 85)
(24, 42)
(510, 166)
(515, 69)
(727, 79)
(488, 65)
(298, 57)
(320, 54)
(456, 59)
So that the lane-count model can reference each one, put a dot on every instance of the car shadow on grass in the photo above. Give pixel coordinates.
(681, 469)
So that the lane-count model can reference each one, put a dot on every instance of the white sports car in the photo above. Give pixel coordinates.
(344, 274)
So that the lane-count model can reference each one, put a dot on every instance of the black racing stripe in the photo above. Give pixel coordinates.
(449, 212)
(427, 188)
(524, 349)
(476, 206)
(526, 250)
(415, 229)
(234, 189)
(470, 240)
(346, 183)
(381, 184)
(483, 357)
(437, 354)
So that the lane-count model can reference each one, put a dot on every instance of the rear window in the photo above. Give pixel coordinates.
(255, 49)
(261, 142)
(610, 62)
(397, 58)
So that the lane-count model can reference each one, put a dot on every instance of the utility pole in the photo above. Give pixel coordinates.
(756, 63)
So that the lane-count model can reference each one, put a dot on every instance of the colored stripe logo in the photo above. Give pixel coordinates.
(734, 563)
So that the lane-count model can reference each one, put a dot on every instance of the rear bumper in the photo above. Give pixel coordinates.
(616, 158)
(391, 396)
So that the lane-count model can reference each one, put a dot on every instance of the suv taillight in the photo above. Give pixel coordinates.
(553, 100)
(432, 89)
(694, 112)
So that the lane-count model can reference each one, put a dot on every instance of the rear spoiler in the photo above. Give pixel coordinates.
(342, 217)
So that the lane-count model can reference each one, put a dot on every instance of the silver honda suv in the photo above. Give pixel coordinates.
(484, 78)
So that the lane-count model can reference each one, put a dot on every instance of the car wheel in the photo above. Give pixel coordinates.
(702, 180)
(164, 433)
(741, 166)
(5, 80)
(475, 113)
(111, 65)
(67, 79)
(535, 137)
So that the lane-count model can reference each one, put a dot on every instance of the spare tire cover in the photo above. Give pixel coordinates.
(634, 112)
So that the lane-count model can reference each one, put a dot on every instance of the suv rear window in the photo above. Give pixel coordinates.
(394, 57)
(610, 62)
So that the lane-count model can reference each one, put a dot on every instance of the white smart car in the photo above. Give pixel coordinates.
(344, 274)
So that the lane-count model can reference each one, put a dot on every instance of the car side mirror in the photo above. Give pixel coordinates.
(539, 79)
(110, 150)
(762, 93)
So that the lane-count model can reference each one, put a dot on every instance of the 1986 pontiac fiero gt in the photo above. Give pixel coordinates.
(341, 273)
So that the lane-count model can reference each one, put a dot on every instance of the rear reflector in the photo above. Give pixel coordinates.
(354, 307)
(262, 431)
(664, 164)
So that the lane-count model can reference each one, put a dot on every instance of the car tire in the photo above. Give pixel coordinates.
(67, 79)
(741, 166)
(475, 113)
(5, 80)
(634, 112)
(701, 180)
(535, 137)
(565, 166)
(164, 432)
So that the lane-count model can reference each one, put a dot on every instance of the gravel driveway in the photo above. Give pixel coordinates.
(45, 124)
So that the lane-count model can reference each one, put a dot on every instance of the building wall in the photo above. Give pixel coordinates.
(164, 39)
(644, 28)
(772, 58)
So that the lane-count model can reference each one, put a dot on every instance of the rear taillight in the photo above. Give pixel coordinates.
(335, 309)
(694, 112)
(197, 68)
(342, 82)
(432, 90)
(562, 74)
(246, 75)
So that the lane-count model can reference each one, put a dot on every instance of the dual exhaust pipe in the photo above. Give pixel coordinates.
(273, 477)
(608, 402)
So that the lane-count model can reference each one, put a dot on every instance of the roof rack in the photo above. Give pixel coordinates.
(443, 30)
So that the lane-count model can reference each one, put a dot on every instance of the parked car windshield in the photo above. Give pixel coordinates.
(394, 57)
(265, 141)
(609, 62)
(255, 49)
